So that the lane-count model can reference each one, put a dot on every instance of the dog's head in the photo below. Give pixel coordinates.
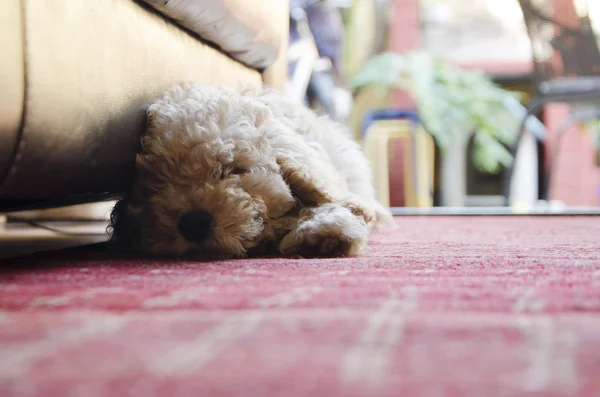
(209, 177)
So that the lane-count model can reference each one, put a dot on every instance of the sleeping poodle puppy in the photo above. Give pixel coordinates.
(235, 173)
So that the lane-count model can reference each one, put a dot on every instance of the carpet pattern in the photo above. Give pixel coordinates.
(442, 306)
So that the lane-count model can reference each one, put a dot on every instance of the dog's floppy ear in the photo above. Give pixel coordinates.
(309, 177)
(123, 229)
(303, 181)
(118, 227)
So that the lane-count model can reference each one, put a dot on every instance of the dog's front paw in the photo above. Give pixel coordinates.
(358, 208)
(328, 230)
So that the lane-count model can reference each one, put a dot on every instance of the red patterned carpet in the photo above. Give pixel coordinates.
(444, 306)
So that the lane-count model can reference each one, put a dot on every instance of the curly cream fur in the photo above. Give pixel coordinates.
(275, 177)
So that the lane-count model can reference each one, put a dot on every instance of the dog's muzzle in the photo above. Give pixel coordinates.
(196, 226)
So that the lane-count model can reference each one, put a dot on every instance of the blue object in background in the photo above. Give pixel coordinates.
(386, 114)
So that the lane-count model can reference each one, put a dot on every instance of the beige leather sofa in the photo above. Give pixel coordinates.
(76, 77)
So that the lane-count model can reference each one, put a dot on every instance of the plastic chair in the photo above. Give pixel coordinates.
(418, 162)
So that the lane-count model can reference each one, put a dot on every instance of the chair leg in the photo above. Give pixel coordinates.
(533, 107)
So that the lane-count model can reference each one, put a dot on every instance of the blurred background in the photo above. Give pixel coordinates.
(460, 103)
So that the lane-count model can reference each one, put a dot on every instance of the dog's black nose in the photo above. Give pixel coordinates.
(195, 226)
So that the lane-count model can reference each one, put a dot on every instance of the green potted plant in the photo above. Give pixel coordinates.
(452, 103)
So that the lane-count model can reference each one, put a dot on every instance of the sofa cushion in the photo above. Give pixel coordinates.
(91, 69)
(241, 28)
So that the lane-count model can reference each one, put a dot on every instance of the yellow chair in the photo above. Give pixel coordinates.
(418, 161)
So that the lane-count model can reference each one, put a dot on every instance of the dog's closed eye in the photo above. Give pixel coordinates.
(235, 171)
(239, 171)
